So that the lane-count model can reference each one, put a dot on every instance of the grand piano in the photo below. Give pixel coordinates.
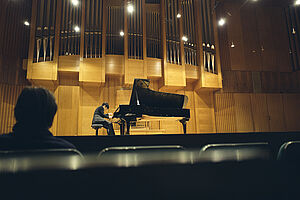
(145, 102)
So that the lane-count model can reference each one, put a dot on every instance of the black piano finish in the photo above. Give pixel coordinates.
(144, 101)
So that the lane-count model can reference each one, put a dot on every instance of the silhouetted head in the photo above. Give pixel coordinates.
(105, 105)
(36, 107)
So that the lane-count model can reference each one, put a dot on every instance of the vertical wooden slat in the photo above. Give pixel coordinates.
(260, 112)
(144, 30)
(276, 113)
(180, 34)
(225, 114)
(82, 33)
(32, 35)
(57, 31)
(163, 33)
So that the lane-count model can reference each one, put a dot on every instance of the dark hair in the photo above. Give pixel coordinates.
(36, 107)
(106, 105)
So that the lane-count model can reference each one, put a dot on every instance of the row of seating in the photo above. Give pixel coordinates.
(128, 156)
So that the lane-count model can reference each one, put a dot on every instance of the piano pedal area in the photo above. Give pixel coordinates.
(142, 127)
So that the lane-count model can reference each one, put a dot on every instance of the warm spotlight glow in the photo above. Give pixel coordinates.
(130, 8)
(297, 2)
(122, 33)
(77, 29)
(178, 15)
(254, 0)
(26, 23)
(75, 2)
(184, 38)
(221, 22)
(232, 45)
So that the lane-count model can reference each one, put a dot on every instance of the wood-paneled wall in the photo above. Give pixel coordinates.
(14, 39)
(8, 99)
(259, 34)
(248, 112)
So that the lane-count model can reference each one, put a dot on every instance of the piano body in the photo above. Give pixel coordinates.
(146, 102)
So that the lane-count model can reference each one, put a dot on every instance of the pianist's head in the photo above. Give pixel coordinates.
(35, 108)
(105, 105)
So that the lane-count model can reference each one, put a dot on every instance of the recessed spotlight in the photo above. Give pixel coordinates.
(184, 38)
(232, 45)
(221, 22)
(77, 29)
(75, 2)
(26, 23)
(130, 8)
(178, 15)
(297, 2)
(122, 33)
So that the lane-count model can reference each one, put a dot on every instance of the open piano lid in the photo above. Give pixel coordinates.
(142, 95)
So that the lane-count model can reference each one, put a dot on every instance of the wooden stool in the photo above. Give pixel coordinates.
(96, 127)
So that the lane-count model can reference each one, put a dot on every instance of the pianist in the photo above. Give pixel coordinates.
(99, 118)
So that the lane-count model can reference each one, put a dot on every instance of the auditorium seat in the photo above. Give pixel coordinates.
(289, 151)
(235, 152)
(140, 155)
(40, 159)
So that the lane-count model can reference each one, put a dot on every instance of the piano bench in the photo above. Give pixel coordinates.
(96, 127)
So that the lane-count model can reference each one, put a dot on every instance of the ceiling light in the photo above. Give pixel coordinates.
(232, 45)
(75, 2)
(130, 8)
(77, 29)
(178, 15)
(184, 38)
(26, 23)
(122, 33)
(221, 22)
(297, 2)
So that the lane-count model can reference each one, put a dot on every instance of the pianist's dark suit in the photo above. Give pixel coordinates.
(99, 119)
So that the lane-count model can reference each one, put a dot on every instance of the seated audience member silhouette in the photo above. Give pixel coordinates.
(34, 113)
(99, 119)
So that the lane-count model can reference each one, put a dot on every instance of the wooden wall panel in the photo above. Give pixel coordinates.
(92, 71)
(292, 111)
(67, 113)
(191, 124)
(260, 112)
(243, 113)
(70, 63)
(8, 99)
(204, 112)
(235, 36)
(282, 53)
(225, 114)
(276, 112)
(252, 49)
(267, 37)
(135, 69)
(90, 99)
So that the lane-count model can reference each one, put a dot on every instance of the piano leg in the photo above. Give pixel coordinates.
(122, 126)
(183, 122)
(128, 127)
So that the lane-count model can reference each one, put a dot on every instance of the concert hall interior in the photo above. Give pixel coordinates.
(199, 77)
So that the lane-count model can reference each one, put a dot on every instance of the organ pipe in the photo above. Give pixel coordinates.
(70, 29)
(70, 16)
(93, 29)
(209, 51)
(45, 31)
(172, 32)
(190, 46)
(115, 24)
